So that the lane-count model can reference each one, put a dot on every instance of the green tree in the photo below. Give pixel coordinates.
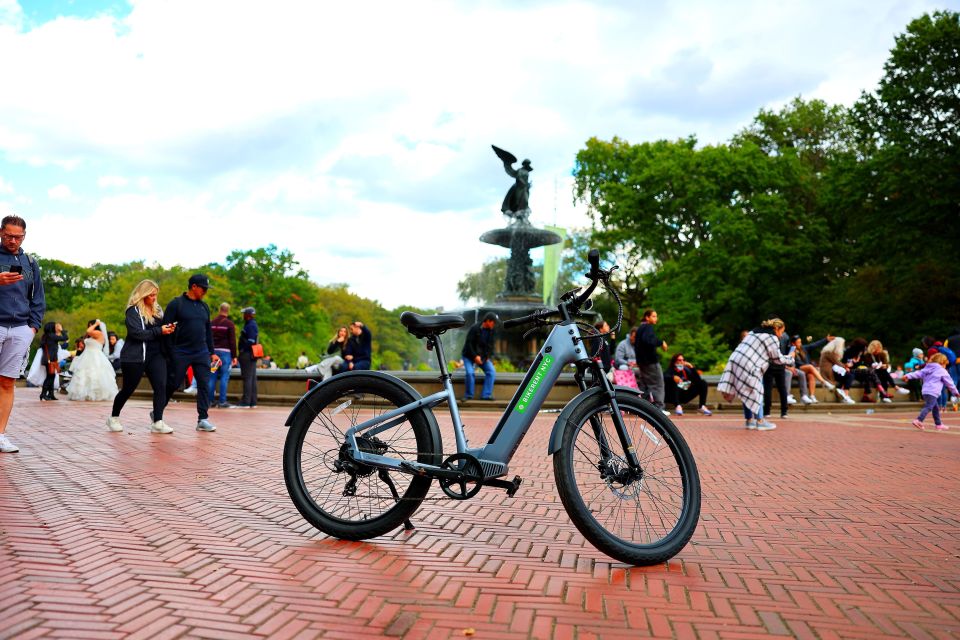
(718, 233)
(484, 285)
(904, 282)
(287, 303)
(65, 284)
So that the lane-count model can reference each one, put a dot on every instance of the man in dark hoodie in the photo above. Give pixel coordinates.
(477, 352)
(649, 372)
(191, 344)
(22, 304)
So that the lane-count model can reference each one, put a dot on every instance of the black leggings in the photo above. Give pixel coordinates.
(156, 369)
(48, 384)
(775, 375)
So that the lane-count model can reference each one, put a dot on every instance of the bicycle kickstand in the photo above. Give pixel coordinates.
(385, 477)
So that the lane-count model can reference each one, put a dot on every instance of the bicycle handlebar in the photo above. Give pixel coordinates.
(595, 275)
(536, 315)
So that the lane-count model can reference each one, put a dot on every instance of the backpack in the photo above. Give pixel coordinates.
(951, 356)
(28, 278)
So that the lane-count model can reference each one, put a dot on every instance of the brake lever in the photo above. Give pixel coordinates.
(570, 295)
(538, 324)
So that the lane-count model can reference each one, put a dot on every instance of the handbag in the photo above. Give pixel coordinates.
(625, 378)
(53, 365)
(256, 350)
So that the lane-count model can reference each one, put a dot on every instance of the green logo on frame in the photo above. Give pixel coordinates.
(534, 383)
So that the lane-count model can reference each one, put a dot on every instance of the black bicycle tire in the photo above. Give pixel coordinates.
(412, 495)
(580, 513)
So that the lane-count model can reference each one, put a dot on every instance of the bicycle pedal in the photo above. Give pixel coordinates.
(510, 485)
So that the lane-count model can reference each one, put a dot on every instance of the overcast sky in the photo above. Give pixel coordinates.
(357, 134)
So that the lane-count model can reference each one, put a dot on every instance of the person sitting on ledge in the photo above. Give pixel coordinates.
(683, 383)
(359, 348)
(477, 352)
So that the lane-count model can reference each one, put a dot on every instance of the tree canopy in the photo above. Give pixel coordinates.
(294, 314)
(838, 220)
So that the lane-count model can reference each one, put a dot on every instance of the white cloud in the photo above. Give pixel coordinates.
(5, 187)
(60, 192)
(358, 135)
(106, 182)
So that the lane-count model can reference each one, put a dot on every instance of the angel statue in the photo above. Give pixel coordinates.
(516, 204)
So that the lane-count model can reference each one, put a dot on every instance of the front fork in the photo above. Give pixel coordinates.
(606, 454)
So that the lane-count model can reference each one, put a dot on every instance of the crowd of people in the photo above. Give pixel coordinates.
(161, 343)
(180, 341)
(766, 357)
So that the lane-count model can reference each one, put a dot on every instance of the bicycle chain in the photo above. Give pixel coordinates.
(424, 499)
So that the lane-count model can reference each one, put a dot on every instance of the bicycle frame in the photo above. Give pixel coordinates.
(563, 346)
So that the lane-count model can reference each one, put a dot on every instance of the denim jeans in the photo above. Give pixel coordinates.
(221, 378)
(489, 373)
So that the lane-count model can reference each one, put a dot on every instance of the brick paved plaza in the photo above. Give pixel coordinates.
(833, 526)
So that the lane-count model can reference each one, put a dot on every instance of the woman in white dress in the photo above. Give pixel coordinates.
(93, 377)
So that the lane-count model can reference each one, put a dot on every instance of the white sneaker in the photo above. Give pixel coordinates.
(765, 425)
(113, 424)
(813, 400)
(791, 399)
(6, 446)
(888, 400)
(160, 427)
(665, 412)
(705, 411)
(192, 391)
(903, 391)
(829, 385)
(806, 400)
(848, 400)
(678, 410)
(751, 424)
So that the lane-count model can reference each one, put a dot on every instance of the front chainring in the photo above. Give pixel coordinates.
(470, 481)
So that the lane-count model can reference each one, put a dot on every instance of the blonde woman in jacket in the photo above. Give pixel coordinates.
(142, 354)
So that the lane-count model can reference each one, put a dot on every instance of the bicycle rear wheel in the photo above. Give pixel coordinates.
(336, 495)
(640, 519)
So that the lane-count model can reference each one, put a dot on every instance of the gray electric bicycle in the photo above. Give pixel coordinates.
(364, 447)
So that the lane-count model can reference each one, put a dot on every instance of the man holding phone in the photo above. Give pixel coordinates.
(22, 304)
(191, 344)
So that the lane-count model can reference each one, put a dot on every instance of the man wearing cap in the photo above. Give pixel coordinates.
(191, 344)
(477, 350)
(249, 336)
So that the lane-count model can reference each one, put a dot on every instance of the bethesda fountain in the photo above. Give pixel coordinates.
(518, 296)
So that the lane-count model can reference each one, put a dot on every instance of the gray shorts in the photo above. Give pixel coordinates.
(14, 349)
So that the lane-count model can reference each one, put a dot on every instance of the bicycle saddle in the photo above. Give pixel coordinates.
(423, 326)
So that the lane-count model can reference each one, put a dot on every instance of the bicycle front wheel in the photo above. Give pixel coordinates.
(337, 495)
(639, 518)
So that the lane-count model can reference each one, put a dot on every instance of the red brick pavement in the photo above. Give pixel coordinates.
(829, 527)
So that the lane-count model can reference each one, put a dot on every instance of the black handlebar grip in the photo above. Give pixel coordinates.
(516, 322)
(594, 259)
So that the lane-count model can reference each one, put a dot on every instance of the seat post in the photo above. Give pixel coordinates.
(435, 341)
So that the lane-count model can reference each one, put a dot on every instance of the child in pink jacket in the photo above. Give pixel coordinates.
(934, 377)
